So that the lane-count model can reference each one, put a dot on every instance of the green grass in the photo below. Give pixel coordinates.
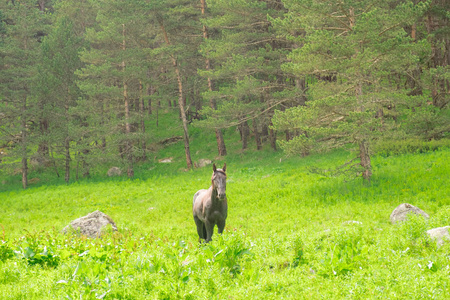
(286, 235)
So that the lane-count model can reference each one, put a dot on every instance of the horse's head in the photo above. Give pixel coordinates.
(219, 181)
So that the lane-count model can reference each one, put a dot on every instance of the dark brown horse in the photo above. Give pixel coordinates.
(210, 206)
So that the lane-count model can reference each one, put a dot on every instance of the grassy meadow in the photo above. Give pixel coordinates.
(290, 234)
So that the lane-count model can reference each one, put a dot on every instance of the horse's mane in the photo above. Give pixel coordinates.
(220, 171)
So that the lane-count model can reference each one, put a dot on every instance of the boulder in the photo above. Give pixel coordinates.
(402, 211)
(439, 234)
(114, 171)
(203, 163)
(166, 160)
(91, 225)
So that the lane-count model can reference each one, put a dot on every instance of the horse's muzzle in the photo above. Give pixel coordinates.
(222, 196)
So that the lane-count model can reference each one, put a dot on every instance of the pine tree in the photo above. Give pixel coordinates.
(350, 51)
(179, 35)
(112, 73)
(86, 120)
(222, 150)
(246, 55)
(19, 53)
(181, 92)
(56, 87)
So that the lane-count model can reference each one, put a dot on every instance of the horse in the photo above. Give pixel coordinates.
(210, 206)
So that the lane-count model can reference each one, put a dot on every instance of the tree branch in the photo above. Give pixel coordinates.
(389, 28)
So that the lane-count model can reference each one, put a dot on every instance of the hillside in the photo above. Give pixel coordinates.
(290, 233)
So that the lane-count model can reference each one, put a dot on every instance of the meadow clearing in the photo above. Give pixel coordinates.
(287, 236)
(153, 87)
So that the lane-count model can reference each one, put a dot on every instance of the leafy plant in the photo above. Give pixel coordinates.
(229, 253)
(344, 253)
(5, 251)
(44, 257)
(299, 256)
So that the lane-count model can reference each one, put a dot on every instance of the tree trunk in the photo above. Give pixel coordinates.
(180, 98)
(78, 167)
(41, 4)
(128, 148)
(24, 146)
(84, 163)
(24, 173)
(67, 164)
(245, 131)
(257, 135)
(272, 138)
(222, 149)
(102, 120)
(365, 160)
(43, 146)
(288, 135)
(300, 84)
(183, 118)
(157, 115)
(264, 133)
(141, 112)
(67, 142)
(150, 91)
(54, 163)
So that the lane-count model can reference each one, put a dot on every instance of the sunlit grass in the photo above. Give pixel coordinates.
(287, 234)
(290, 233)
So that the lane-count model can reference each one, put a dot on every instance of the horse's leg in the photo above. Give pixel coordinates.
(204, 231)
(209, 230)
(200, 229)
(220, 226)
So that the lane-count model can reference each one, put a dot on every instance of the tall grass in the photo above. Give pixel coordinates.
(287, 234)
(290, 234)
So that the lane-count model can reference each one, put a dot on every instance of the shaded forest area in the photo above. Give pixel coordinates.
(79, 80)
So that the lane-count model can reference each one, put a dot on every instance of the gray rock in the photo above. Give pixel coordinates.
(114, 171)
(439, 234)
(203, 163)
(91, 225)
(166, 160)
(402, 211)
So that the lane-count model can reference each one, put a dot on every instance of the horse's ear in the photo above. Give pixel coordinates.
(214, 167)
(224, 167)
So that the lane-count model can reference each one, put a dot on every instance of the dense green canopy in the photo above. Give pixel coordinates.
(80, 80)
